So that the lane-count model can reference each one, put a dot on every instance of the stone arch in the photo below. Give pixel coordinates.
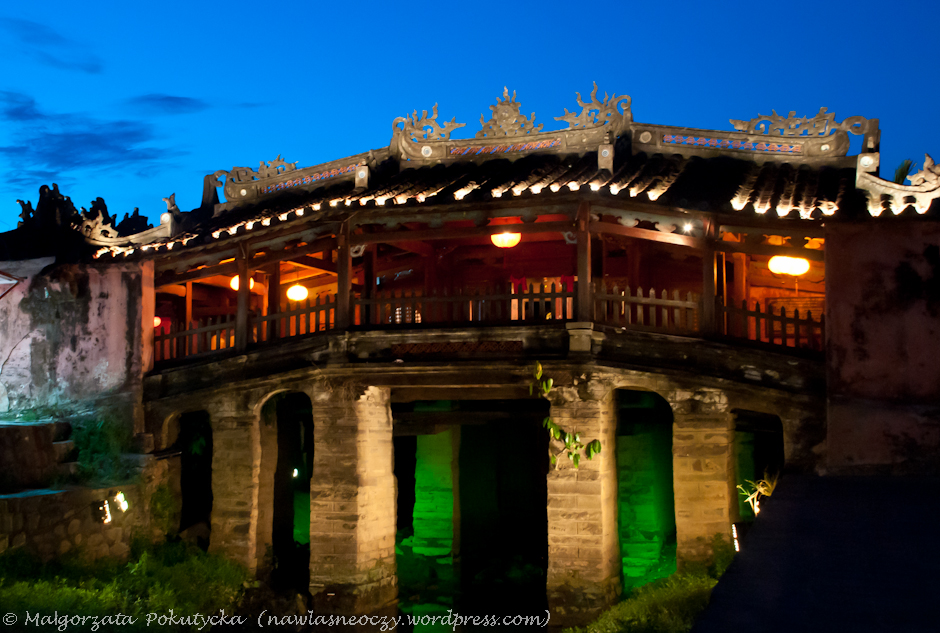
(646, 508)
(286, 437)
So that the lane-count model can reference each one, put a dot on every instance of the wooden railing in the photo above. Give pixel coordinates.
(507, 304)
(206, 335)
(304, 317)
(791, 330)
(502, 304)
(621, 308)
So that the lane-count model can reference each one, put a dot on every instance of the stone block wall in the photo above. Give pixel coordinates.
(236, 457)
(703, 471)
(352, 500)
(583, 548)
(51, 523)
(28, 455)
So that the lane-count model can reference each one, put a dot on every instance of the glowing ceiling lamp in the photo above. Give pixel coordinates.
(505, 240)
(234, 283)
(297, 293)
(157, 321)
(794, 266)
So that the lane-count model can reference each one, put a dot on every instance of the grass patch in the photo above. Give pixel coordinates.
(100, 444)
(172, 575)
(670, 605)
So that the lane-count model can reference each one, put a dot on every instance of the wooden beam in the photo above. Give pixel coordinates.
(780, 228)
(647, 234)
(811, 254)
(313, 262)
(255, 263)
(393, 237)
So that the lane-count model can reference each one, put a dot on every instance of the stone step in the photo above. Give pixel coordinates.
(67, 469)
(63, 450)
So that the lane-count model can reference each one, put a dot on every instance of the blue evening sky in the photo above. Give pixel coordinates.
(133, 102)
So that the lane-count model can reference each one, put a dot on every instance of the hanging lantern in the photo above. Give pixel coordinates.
(794, 266)
(296, 293)
(234, 283)
(157, 321)
(505, 240)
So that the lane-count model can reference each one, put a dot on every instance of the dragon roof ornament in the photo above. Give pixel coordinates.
(507, 119)
(607, 112)
(882, 194)
(823, 124)
(426, 128)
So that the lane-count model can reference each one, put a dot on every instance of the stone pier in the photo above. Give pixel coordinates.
(236, 460)
(583, 550)
(704, 480)
(352, 500)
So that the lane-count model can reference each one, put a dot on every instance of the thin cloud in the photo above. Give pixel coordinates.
(46, 146)
(156, 103)
(49, 47)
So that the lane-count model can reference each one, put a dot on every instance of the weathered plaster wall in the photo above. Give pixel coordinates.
(883, 322)
(71, 335)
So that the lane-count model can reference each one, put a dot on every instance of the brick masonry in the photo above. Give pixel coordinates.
(352, 500)
(583, 549)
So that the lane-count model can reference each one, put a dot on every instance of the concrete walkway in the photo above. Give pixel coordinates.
(834, 554)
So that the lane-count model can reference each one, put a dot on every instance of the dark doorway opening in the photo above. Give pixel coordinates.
(759, 454)
(195, 444)
(472, 479)
(646, 497)
(290, 534)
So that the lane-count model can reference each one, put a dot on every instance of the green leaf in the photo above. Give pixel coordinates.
(576, 459)
(547, 385)
(530, 388)
(553, 459)
(538, 370)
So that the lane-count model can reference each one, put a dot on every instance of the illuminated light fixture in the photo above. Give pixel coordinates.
(299, 212)
(297, 293)
(614, 189)
(169, 246)
(573, 185)
(595, 186)
(554, 187)
(157, 321)
(216, 234)
(536, 189)
(282, 217)
(294, 474)
(734, 535)
(233, 230)
(505, 240)
(104, 511)
(497, 193)
(234, 283)
(794, 266)
(687, 227)
(266, 222)
(121, 501)
(249, 225)
(316, 207)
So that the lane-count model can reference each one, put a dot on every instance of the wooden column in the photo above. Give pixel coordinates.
(244, 293)
(343, 270)
(708, 281)
(188, 319)
(585, 309)
(274, 298)
(368, 281)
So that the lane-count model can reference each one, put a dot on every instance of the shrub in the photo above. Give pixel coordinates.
(100, 444)
(665, 606)
(172, 575)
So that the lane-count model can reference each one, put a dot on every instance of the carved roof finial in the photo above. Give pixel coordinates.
(929, 175)
(607, 111)
(507, 120)
(426, 128)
